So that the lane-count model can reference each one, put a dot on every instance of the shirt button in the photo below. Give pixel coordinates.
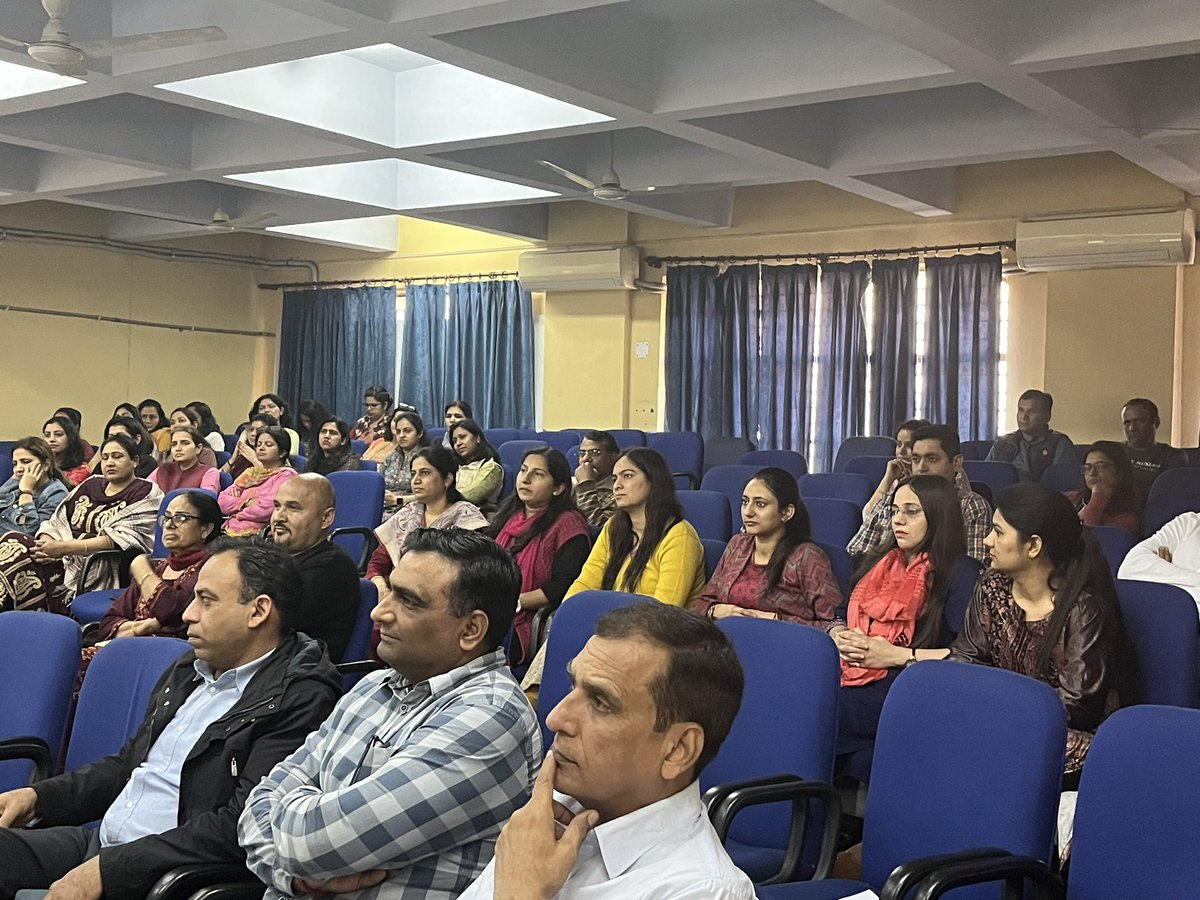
(129, 806)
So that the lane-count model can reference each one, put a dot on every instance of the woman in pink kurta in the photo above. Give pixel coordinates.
(248, 502)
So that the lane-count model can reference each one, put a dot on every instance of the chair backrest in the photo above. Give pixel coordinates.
(91, 606)
(1115, 542)
(574, 623)
(975, 449)
(1161, 508)
(231, 441)
(1174, 481)
(1138, 797)
(225, 479)
(299, 462)
(625, 437)
(1063, 476)
(833, 521)
(435, 433)
(1160, 620)
(788, 460)
(853, 447)
(222, 457)
(498, 436)
(358, 647)
(983, 750)
(852, 486)
(511, 453)
(39, 658)
(713, 551)
(996, 475)
(6, 466)
(115, 695)
(871, 466)
(708, 511)
(787, 721)
(683, 451)
(725, 451)
(963, 579)
(369, 465)
(359, 505)
(730, 481)
(561, 441)
(359, 447)
(842, 565)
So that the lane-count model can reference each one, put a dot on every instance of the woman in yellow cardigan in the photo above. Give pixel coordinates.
(646, 547)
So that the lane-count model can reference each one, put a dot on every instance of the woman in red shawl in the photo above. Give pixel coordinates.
(547, 536)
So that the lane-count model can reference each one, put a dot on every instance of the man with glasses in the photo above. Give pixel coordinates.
(219, 720)
(406, 785)
(594, 479)
(936, 451)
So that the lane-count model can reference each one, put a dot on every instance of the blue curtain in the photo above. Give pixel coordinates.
(895, 349)
(695, 365)
(335, 342)
(783, 372)
(423, 363)
(489, 352)
(842, 359)
(962, 343)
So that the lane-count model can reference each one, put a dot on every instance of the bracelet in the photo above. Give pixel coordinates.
(142, 580)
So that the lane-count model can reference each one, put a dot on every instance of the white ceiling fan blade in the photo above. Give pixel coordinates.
(569, 175)
(72, 71)
(154, 40)
(14, 42)
(252, 220)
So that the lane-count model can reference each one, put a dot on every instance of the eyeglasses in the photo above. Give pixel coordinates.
(1095, 467)
(908, 510)
(175, 519)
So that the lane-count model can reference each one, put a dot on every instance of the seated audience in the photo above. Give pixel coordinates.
(406, 435)
(243, 456)
(309, 417)
(897, 609)
(36, 488)
(436, 503)
(403, 790)
(616, 810)
(249, 500)
(62, 435)
(112, 511)
(208, 425)
(160, 590)
(1140, 422)
(377, 409)
(69, 412)
(126, 410)
(1048, 609)
(147, 450)
(936, 451)
(547, 536)
(184, 469)
(455, 412)
(773, 570)
(900, 466)
(1109, 496)
(273, 405)
(300, 523)
(243, 699)
(186, 417)
(594, 477)
(333, 452)
(154, 420)
(1169, 556)
(1033, 447)
(480, 475)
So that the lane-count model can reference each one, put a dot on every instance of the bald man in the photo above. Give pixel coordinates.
(300, 524)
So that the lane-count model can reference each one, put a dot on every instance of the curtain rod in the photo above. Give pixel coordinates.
(349, 282)
(658, 262)
(117, 320)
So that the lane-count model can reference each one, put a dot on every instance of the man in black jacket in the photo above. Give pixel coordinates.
(219, 720)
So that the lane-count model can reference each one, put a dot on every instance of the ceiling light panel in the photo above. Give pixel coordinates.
(21, 81)
(394, 184)
(378, 233)
(389, 96)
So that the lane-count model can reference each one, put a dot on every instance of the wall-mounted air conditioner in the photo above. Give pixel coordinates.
(1141, 239)
(579, 270)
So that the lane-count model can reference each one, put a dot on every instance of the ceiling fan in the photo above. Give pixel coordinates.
(221, 221)
(609, 188)
(58, 52)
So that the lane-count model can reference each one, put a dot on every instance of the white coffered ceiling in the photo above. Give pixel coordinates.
(349, 110)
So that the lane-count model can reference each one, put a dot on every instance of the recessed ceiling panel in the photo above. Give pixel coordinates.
(372, 233)
(21, 81)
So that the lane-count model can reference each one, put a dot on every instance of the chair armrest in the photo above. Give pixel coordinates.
(908, 875)
(539, 629)
(728, 800)
(33, 749)
(181, 883)
(369, 542)
(690, 476)
(93, 559)
(1012, 870)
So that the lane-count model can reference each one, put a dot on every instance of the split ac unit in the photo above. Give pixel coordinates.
(1141, 239)
(579, 270)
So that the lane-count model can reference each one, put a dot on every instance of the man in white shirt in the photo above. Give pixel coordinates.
(616, 809)
(1169, 556)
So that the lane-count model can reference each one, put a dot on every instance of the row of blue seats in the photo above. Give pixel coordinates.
(876, 445)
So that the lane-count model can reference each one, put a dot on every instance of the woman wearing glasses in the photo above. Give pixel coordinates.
(160, 590)
(1108, 496)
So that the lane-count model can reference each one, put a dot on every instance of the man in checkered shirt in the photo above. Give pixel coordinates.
(402, 792)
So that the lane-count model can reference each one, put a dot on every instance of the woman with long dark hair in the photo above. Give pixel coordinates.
(1109, 496)
(147, 450)
(773, 570)
(208, 425)
(333, 452)
(896, 614)
(273, 405)
(36, 488)
(249, 501)
(546, 534)
(309, 417)
(184, 469)
(186, 417)
(61, 433)
(405, 435)
(480, 475)
(154, 420)
(1048, 609)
